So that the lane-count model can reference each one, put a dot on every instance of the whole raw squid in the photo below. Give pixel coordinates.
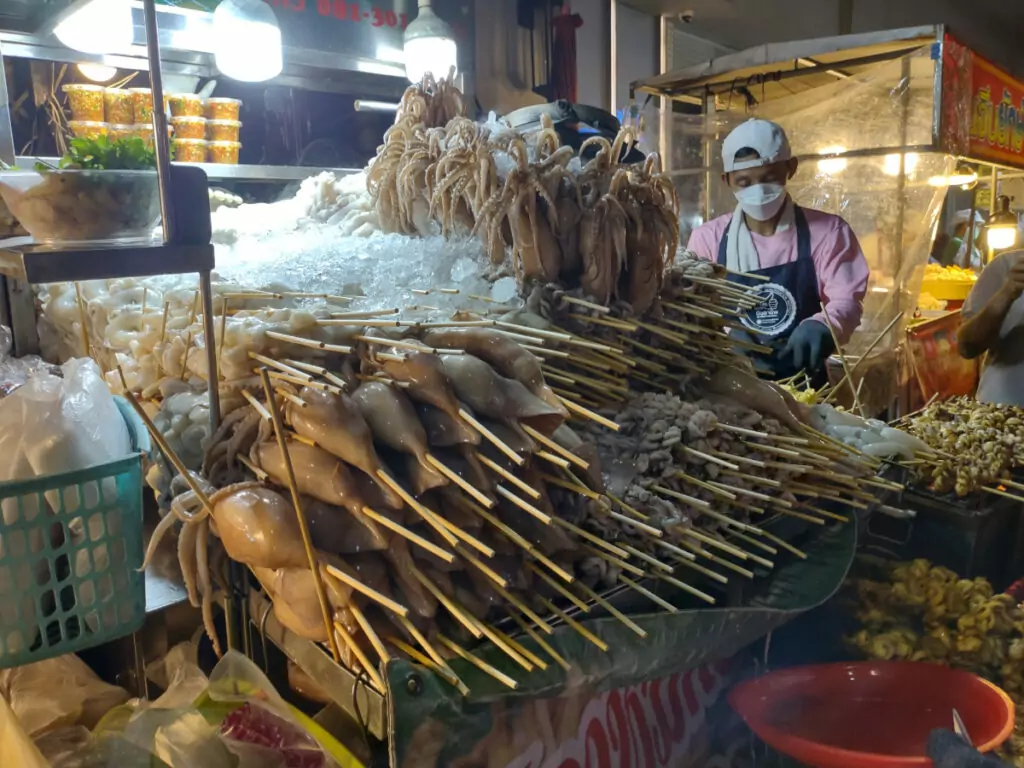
(429, 385)
(759, 395)
(317, 473)
(337, 530)
(336, 424)
(487, 393)
(505, 355)
(393, 421)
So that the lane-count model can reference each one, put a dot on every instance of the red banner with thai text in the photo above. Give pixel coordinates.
(997, 115)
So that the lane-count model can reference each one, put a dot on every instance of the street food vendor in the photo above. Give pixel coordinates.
(993, 325)
(809, 257)
(955, 252)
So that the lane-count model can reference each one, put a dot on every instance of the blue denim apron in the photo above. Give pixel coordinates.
(791, 295)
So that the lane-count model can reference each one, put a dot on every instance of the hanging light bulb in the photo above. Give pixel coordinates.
(98, 73)
(1001, 229)
(248, 40)
(97, 26)
(833, 165)
(429, 45)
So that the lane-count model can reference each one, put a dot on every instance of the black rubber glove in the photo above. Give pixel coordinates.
(809, 346)
(947, 750)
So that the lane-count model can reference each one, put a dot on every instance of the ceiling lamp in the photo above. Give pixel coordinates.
(429, 45)
(965, 176)
(248, 40)
(891, 164)
(1001, 230)
(98, 73)
(97, 26)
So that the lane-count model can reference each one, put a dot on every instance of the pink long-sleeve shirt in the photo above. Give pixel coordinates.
(839, 262)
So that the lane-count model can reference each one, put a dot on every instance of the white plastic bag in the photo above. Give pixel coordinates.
(52, 425)
(57, 693)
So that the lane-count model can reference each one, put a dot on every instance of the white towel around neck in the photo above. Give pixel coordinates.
(740, 252)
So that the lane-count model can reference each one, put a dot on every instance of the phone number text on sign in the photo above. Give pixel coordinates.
(345, 11)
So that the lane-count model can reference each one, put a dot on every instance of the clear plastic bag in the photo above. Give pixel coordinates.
(253, 726)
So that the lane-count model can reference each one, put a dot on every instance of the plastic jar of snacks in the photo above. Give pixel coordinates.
(224, 152)
(189, 150)
(118, 106)
(86, 102)
(117, 132)
(142, 105)
(223, 109)
(185, 105)
(87, 129)
(189, 127)
(147, 134)
(223, 130)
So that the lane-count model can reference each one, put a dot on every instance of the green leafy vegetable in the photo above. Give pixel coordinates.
(102, 154)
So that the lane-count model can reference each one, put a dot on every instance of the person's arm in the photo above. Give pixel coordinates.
(991, 297)
(703, 243)
(842, 274)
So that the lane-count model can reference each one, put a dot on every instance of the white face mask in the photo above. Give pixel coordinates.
(761, 201)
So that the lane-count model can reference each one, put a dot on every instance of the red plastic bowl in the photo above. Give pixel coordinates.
(874, 714)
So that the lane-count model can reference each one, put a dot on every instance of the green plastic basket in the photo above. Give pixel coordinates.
(70, 549)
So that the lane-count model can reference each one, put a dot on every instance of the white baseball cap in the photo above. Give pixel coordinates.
(962, 217)
(766, 138)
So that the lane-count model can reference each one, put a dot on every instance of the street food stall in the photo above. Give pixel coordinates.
(411, 453)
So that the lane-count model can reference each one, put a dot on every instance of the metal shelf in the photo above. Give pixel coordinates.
(221, 172)
(23, 260)
(338, 682)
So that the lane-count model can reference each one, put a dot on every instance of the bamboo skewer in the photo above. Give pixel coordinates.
(686, 588)
(523, 505)
(612, 610)
(339, 630)
(708, 457)
(540, 641)
(648, 594)
(477, 495)
(715, 575)
(83, 320)
(411, 536)
(305, 383)
(223, 334)
(588, 304)
(450, 605)
(370, 633)
(383, 600)
(260, 474)
(506, 475)
(307, 540)
(292, 398)
(493, 439)
(163, 323)
(583, 632)
(310, 343)
(579, 410)
(617, 562)
(549, 457)
(477, 662)
(429, 517)
(521, 542)
(542, 625)
(634, 552)
(784, 544)
(505, 644)
(282, 367)
(558, 588)
(257, 406)
(533, 658)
